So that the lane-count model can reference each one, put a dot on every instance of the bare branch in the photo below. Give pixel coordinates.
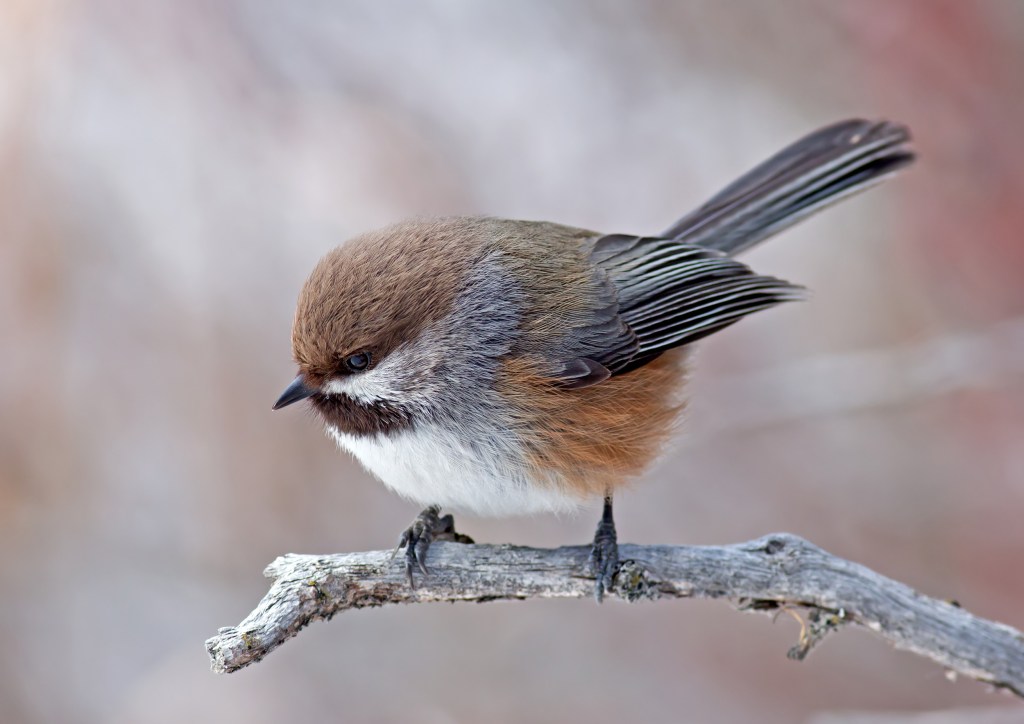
(780, 572)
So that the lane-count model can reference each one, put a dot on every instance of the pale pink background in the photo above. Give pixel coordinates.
(170, 172)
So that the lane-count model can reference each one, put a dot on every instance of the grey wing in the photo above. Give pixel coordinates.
(672, 290)
(665, 294)
(598, 342)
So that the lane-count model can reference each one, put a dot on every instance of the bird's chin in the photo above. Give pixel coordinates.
(359, 418)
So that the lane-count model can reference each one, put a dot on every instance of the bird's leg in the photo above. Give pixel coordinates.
(604, 556)
(428, 527)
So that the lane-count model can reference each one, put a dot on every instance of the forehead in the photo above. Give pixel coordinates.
(380, 289)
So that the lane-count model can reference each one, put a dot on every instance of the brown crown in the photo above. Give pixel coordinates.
(381, 289)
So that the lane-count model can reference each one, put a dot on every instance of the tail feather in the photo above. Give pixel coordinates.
(816, 171)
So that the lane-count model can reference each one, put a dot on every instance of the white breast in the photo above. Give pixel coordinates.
(434, 466)
(467, 461)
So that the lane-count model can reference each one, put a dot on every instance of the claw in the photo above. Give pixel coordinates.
(402, 541)
(416, 539)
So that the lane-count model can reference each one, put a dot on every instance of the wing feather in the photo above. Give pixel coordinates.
(671, 293)
(662, 292)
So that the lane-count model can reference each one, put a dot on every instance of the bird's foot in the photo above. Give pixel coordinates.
(604, 556)
(428, 527)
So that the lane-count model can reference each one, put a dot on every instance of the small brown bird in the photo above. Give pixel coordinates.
(505, 367)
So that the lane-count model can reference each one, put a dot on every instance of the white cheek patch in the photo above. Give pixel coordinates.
(365, 387)
(373, 385)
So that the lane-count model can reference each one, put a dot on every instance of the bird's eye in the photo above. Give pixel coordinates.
(358, 362)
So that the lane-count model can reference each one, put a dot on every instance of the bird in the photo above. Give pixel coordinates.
(501, 367)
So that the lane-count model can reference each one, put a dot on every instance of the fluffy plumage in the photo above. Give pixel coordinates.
(520, 366)
(495, 378)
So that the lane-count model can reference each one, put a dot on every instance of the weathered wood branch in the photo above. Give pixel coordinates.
(779, 572)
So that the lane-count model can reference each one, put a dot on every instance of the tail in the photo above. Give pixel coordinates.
(819, 169)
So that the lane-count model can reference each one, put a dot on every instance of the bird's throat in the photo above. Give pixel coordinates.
(380, 417)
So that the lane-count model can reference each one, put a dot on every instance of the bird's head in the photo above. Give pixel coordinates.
(381, 325)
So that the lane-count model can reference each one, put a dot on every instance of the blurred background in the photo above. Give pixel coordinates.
(171, 171)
